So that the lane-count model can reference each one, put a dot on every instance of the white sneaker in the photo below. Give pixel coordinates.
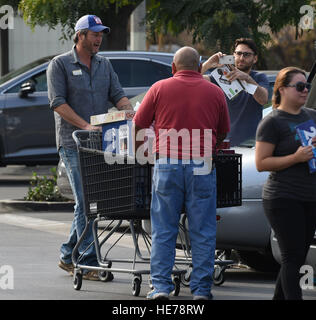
(155, 295)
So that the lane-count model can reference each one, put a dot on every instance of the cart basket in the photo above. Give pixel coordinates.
(117, 187)
(114, 186)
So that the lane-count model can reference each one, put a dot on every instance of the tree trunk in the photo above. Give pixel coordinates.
(118, 22)
(4, 54)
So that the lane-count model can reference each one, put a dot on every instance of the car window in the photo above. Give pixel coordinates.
(40, 81)
(23, 69)
(140, 73)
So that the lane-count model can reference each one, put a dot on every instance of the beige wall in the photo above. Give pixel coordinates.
(26, 46)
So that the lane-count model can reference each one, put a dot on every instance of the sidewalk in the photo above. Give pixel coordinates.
(20, 174)
(16, 173)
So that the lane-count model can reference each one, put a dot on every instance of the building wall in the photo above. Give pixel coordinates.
(26, 45)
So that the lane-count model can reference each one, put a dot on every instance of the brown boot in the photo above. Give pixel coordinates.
(68, 267)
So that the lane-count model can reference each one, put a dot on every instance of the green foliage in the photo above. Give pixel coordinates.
(215, 23)
(67, 12)
(219, 23)
(44, 188)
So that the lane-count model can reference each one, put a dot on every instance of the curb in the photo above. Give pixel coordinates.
(7, 206)
(14, 180)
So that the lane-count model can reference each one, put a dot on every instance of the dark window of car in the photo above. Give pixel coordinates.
(23, 69)
(39, 79)
(140, 73)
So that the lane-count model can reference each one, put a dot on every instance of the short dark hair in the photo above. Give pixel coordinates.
(76, 37)
(248, 42)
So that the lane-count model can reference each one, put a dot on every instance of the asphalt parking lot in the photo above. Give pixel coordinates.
(30, 242)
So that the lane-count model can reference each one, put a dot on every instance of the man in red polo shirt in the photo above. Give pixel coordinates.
(190, 110)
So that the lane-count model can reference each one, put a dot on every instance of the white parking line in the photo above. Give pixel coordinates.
(61, 228)
(45, 225)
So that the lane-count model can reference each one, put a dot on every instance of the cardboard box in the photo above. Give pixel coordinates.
(117, 137)
(116, 131)
(110, 117)
(230, 88)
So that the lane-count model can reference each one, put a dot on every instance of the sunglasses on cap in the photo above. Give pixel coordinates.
(244, 54)
(300, 86)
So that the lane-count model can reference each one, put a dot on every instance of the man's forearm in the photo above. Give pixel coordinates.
(211, 62)
(68, 114)
(124, 104)
(261, 95)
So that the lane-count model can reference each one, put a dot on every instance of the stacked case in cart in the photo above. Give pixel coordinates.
(116, 131)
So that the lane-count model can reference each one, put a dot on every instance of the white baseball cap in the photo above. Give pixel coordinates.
(92, 23)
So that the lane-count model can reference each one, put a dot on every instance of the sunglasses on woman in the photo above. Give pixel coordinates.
(300, 86)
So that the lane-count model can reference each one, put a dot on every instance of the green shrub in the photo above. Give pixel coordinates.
(44, 188)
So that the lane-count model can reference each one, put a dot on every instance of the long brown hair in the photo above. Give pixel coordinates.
(283, 78)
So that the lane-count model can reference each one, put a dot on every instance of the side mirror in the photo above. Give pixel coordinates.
(27, 88)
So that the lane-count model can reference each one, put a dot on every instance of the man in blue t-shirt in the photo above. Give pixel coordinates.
(245, 109)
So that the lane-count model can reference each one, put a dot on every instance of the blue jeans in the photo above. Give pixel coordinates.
(71, 161)
(175, 185)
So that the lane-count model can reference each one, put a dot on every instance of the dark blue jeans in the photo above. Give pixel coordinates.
(294, 224)
(71, 161)
(176, 185)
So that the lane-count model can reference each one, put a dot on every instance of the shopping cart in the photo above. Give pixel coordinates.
(116, 190)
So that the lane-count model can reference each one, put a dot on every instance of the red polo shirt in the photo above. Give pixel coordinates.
(183, 108)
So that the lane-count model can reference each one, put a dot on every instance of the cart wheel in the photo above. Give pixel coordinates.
(176, 281)
(136, 286)
(186, 277)
(77, 280)
(218, 276)
(105, 276)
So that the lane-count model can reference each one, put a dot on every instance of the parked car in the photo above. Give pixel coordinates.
(27, 128)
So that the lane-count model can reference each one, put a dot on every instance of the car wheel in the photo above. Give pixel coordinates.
(259, 261)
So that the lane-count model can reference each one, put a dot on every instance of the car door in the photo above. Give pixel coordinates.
(29, 122)
(136, 75)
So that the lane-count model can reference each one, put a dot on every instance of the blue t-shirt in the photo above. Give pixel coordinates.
(245, 112)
